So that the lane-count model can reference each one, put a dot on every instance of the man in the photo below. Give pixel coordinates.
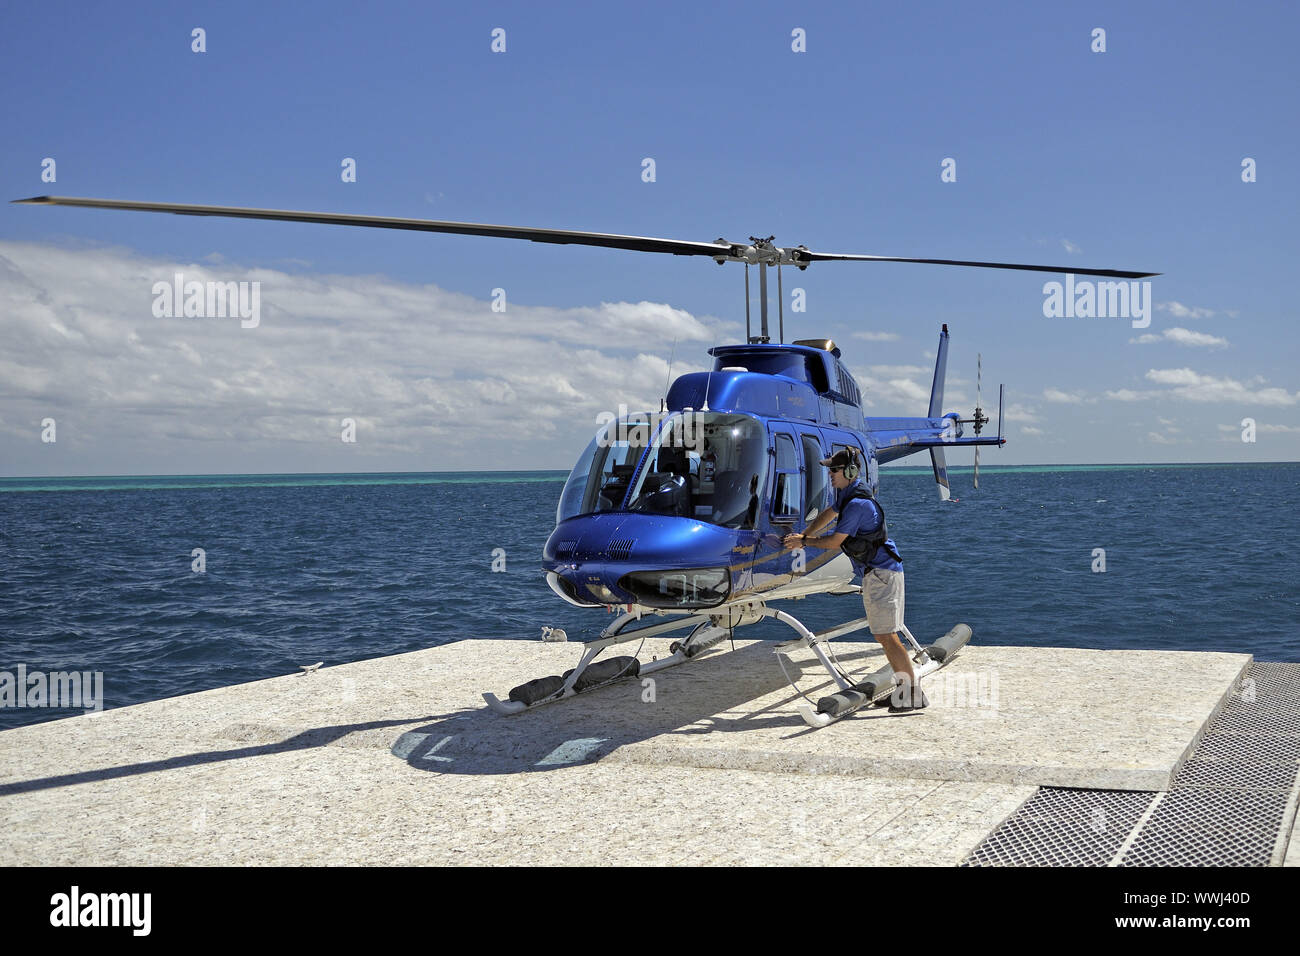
(860, 522)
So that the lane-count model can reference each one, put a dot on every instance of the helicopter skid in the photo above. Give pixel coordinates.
(704, 636)
(816, 719)
(507, 708)
(880, 685)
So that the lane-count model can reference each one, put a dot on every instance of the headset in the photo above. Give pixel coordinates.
(852, 469)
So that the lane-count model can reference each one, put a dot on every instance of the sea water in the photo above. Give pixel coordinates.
(172, 585)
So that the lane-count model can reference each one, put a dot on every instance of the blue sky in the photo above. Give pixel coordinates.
(1129, 159)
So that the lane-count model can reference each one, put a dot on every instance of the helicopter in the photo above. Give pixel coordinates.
(679, 515)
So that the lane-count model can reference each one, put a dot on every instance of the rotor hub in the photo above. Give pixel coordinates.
(763, 252)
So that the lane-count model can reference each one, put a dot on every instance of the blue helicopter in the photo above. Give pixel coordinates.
(682, 513)
(678, 516)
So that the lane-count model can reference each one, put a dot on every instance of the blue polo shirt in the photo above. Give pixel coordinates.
(860, 516)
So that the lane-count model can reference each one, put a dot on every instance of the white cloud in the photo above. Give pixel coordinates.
(1264, 427)
(1129, 395)
(891, 389)
(1181, 336)
(1016, 412)
(885, 370)
(1070, 247)
(427, 373)
(1056, 395)
(1193, 386)
(1199, 339)
(877, 336)
(1180, 311)
(908, 391)
(1160, 439)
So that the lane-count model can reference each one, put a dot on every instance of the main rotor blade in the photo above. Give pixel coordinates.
(677, 247)
(1116, 273)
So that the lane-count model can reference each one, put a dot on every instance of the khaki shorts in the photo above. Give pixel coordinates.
(882, 597)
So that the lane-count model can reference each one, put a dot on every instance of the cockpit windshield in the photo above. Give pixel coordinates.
(600, 479)
(704, 465)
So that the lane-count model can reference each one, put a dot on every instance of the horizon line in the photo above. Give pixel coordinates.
(534, 471)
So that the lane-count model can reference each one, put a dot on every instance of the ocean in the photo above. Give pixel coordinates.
(98, 574)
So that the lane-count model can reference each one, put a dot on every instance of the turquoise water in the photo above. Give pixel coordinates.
(132, 482)
(137, 482)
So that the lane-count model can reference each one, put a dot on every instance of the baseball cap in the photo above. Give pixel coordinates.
(840, 459)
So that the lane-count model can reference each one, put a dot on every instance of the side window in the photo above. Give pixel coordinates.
(785, 497)
(814, 493)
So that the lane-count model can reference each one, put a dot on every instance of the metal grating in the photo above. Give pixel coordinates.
(1250, 749)
(1060, 803)
(1221, 775)
(621, 548)
(1028, 841)
(1252, 719)
(1222, 810)
(1274, 674)
(1219, 829)
(1227, 805)
(1264, 697)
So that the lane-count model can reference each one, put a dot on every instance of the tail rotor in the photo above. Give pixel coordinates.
(979, 420)
(979, 374)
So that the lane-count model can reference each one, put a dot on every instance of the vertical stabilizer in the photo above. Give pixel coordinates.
(940, 373)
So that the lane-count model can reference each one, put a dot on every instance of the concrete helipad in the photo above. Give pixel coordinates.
(397, 760)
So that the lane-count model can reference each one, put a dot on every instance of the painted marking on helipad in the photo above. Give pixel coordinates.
(433, 751)
(407, 743)
(571, 751)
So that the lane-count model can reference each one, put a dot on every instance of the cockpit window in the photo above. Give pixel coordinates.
(704, 465)
(793, 365)
(600, 479)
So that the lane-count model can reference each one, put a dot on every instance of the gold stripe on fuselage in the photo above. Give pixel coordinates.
(784, 579)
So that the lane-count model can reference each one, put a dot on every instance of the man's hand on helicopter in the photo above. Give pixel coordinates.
(792, 542)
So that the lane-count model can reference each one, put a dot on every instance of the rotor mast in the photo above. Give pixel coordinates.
(762, 253)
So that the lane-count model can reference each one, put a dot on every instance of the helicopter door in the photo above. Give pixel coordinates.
(787, 487)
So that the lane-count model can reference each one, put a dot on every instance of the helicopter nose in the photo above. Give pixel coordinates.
(628, 558)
